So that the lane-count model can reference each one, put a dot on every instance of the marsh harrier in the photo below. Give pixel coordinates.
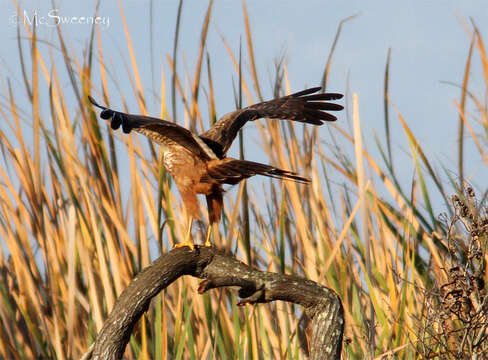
(198, 163)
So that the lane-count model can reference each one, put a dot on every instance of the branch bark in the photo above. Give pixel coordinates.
(322, 305)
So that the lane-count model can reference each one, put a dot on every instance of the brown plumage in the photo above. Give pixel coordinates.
(198, 163)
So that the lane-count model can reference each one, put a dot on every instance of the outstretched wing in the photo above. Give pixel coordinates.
(162, 132)
(300, 106)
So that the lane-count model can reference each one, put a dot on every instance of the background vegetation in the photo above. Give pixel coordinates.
(76, 226)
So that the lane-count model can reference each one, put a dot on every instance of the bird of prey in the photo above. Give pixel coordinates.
(198, 163)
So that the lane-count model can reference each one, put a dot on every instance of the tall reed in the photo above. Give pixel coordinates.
(83, 209)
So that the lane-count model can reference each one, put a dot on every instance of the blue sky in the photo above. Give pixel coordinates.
(429, 41)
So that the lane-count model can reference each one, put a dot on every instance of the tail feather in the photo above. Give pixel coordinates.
(215, 203)
(232, 171)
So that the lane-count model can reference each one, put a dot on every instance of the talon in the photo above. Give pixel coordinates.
(188, 243)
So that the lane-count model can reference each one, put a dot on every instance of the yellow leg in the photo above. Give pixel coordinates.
(188, 241)
(211, 227)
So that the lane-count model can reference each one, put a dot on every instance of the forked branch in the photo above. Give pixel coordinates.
(321, 305)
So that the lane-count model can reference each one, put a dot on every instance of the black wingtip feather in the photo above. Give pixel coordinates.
(324, 106)
(94, 103)
(316, 114)
(323, 96)
(106, 114)
(116, 120)
(312, 120)
(126, 129)
(116, 117)
(306, 91)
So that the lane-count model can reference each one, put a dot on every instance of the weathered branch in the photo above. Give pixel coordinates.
(322, 305)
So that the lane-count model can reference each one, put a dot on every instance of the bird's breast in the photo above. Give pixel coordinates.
(172, 160)
(179, 161)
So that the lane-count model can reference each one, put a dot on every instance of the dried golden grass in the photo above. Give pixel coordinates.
(73, 238)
